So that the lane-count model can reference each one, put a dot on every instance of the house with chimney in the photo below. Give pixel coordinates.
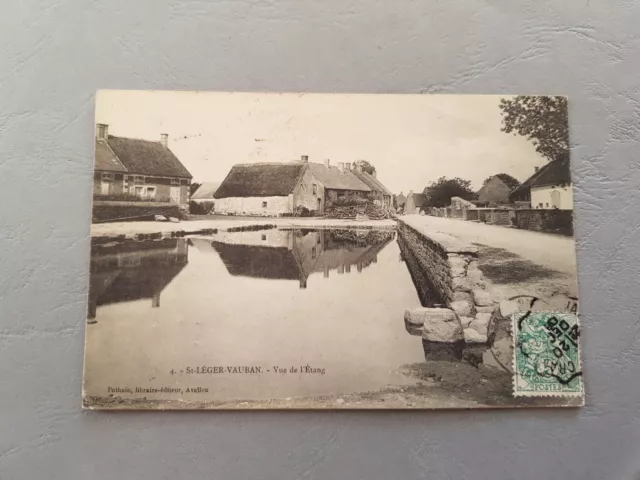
(134, 169)
(275, 189)
(548, 188)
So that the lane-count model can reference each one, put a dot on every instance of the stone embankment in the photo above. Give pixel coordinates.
(471, 312)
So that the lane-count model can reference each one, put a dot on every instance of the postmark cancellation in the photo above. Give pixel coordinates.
(546, 360)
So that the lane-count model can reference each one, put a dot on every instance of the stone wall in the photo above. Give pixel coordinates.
(112, 211)
(550, 221)
(254, 206)
(452, 269)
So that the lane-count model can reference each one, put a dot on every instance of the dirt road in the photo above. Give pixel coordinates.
(552, 251)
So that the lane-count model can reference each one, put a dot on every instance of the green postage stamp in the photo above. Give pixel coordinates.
(546, 358)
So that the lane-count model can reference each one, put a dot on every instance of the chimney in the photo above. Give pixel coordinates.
(359, 168)
(341, 166)
(102, 131)
(374, 174)
(327, 163)
(304, 158)
(535, 169)
(164, 140)
(347, 166)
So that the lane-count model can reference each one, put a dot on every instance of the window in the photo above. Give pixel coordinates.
(264, 237)
(150, 192)
(138, 179)
(107, 176)
(315, 189)
(175, 181)
(138, 190)
(264, 204)
(313, 252)
(184, 181)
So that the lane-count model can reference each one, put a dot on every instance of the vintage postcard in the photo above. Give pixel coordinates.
(322, 251)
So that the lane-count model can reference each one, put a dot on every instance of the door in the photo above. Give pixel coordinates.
(104, 188)
(319, 205)
(175, 194)
(555, 199)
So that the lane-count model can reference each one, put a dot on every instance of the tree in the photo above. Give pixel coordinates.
(366, 166)
(440, 192)
(192, 189)
(508, 180)
(543, 120)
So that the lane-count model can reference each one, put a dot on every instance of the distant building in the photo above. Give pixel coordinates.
(400, 200)
(141, 168)
(272, 189)
(548, 188)
(415, 202)
(494, 191)
(205, 192)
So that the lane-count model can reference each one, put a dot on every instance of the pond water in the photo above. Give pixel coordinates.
(327, 302)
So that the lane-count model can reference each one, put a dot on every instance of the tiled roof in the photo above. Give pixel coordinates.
(144, 157)
(106, 160)
(335, 179)
(372, 182)
(260, 180)
(557, 172)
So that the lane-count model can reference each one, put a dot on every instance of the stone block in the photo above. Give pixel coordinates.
(482, 297)
(474, 275)
(481, 323)
(462, 308)
(465, 296)
(415, 317)
(488, 309)
(461, 284)
(441, 325)
(472, 336)
(465, 321)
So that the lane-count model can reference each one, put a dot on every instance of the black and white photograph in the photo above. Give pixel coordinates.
(331, 251)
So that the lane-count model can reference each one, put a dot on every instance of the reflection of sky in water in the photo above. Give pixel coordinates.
(331, 299)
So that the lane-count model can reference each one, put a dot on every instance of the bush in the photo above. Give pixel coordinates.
(201, 208)
(302, 212)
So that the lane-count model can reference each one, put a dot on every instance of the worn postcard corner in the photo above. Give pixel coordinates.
(328, 251)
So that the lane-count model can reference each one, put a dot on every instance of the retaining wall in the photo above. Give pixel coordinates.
(452, 269)
(112, 211)
(551, 221)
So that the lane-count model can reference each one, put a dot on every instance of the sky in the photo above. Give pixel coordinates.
(412, 140)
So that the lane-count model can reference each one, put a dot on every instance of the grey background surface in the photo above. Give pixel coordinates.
(55, 54)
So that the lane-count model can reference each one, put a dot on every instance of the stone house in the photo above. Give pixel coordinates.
(379, 193)
(548, 188)
(274, 189)
(132, 167)
(415, 202)
(495, 191)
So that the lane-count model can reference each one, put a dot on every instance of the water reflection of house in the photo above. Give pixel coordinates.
(134, 270)
(296, 254)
